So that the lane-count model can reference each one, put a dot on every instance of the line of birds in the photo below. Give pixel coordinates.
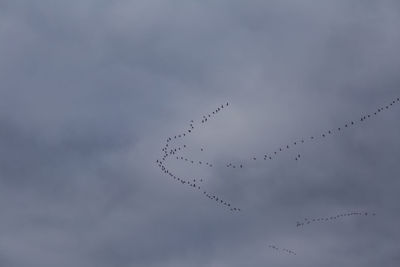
(198, 162)
(175, 151)
(291, 252)
(194, 162)
(325, 134)
(193, 183)
(331, 218)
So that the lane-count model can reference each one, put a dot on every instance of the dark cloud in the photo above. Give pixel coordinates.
(90, 90)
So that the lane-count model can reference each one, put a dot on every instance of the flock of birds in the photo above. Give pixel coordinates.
(331, 218)
(176, 151)
(313, 138)
(291, 252)
(168, 150)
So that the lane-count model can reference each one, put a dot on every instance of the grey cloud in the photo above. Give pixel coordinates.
(90, 90)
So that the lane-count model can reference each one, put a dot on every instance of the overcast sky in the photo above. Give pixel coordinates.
(91, 89)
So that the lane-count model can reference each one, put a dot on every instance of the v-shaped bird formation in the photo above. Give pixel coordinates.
(172, 151)
(197, 184)
(169, 150)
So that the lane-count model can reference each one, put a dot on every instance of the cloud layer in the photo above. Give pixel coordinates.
(90, 91)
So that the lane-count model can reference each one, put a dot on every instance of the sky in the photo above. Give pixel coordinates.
(91, 90)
